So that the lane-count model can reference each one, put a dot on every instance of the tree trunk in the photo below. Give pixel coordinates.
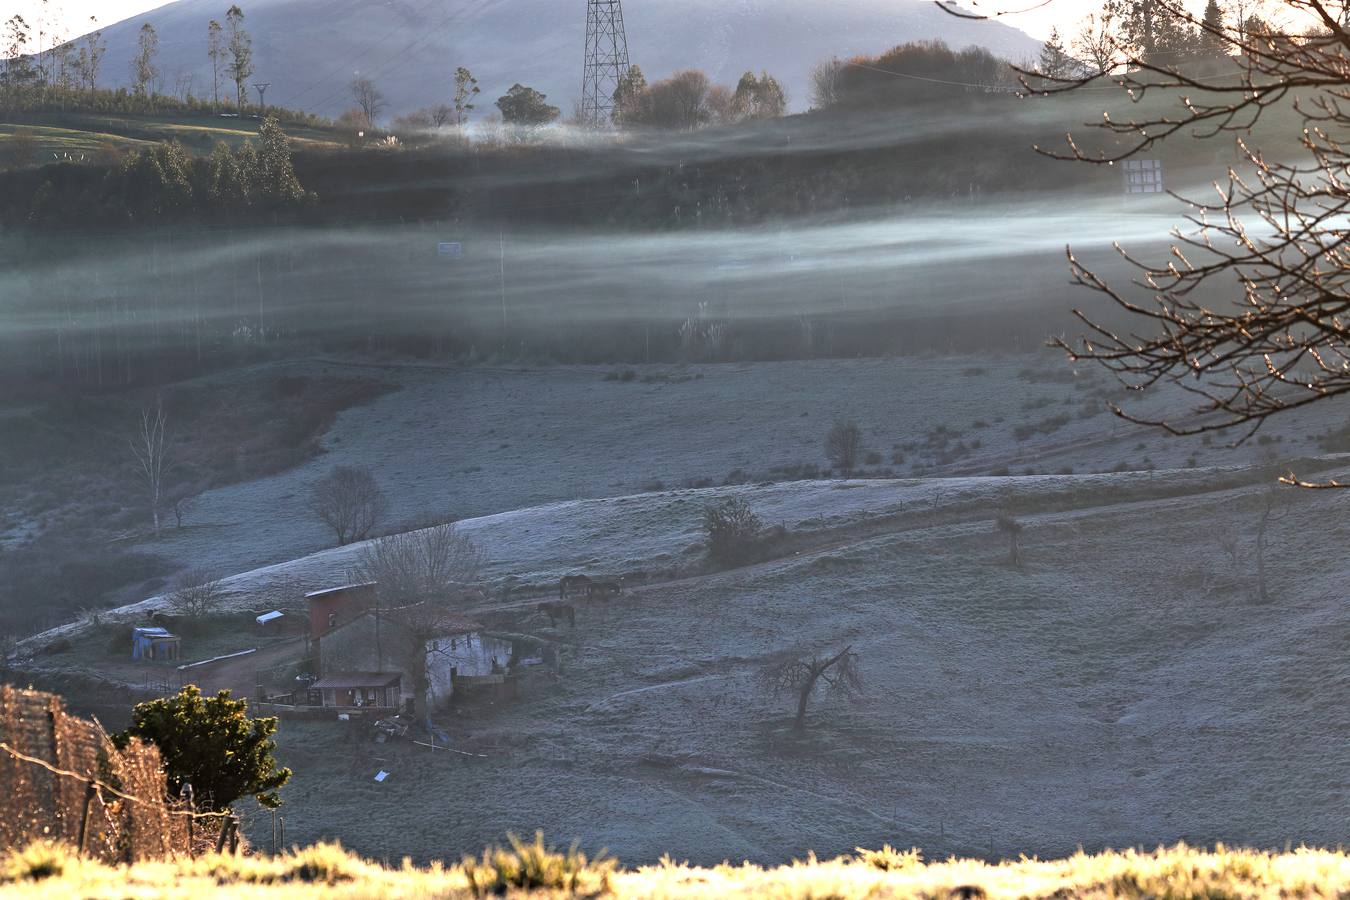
(803, 698)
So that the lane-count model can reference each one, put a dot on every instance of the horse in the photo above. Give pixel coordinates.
(570, 584)
(557, 611)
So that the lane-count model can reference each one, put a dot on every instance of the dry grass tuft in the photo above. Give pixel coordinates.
(328, 872)
(535, 866)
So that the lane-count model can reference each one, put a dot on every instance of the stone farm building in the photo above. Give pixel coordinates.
(433, 651)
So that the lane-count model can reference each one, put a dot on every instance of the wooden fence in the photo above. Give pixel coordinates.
(62, 779)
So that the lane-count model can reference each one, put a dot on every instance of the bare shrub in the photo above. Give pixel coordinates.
(197, 593)
(426, 565)
(799, 673)
(733, 531)
(349, 501)
(843, 445)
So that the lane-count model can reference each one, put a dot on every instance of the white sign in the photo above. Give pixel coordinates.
(450, 250)
(381, 775)
(1143, 176)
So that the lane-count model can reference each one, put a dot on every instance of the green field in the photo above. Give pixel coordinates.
(83, 134)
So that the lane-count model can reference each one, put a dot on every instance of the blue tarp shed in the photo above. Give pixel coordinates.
(154, 643)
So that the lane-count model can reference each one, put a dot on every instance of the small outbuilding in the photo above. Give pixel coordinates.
(274, 622)
(354, 690)
(155, 643)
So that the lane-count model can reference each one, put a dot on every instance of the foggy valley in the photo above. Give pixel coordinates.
(832, 427)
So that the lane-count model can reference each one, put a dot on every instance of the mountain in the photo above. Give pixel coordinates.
(309, 50)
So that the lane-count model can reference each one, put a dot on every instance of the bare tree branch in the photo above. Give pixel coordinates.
(1275, 231)
(799, 674)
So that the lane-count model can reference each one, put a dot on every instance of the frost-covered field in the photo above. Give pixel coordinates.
(476, 441)
(1123, 688)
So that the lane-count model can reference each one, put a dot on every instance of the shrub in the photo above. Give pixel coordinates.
(534, 866)
(212, 743)
(888, 859)
(733, 530)
(843, 445)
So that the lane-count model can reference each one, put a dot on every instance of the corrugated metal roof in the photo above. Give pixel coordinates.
(270, 617)
(153, 631)
(344, 680)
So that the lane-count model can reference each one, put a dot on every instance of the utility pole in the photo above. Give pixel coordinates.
(262, 95)
(606, 61)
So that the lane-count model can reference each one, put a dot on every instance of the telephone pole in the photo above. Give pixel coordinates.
(606, 60)
(262, 95)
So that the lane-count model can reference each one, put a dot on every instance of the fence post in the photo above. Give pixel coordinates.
(90, 793)
(224, 835)
(234, 835)
(281, 820)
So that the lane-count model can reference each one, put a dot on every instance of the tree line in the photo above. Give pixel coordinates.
(64, 75)
(165, 183)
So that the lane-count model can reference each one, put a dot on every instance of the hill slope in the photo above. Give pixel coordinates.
(1121, 688)
(309, 49)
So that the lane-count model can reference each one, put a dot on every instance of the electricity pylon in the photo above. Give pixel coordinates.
(606, 60)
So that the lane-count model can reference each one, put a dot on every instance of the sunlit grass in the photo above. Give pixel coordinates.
(329, 871)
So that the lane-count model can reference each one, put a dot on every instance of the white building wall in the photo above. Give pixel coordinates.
(464, 654)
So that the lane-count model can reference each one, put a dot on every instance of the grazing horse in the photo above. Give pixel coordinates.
(570, 584)
(558, 611)
(601, 590)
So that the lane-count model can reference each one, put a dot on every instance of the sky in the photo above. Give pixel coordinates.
(75, 13)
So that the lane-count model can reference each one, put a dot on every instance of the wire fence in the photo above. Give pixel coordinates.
(62, 779)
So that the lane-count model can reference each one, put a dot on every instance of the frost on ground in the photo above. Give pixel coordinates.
(468, 442)
(1123, 687)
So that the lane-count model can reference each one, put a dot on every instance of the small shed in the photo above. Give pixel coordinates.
(274, 622)
(155, 643)
(346, 690)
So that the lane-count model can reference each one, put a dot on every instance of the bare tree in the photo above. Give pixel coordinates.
(1281, 340)
(150, 447)
(798, 674)
(1095, 43)
(1274, 507)
(427, 565)
(368, 98)
(422, 578)
(1013, 529)
(197, 593)
(349, 501)
(825, 83)
(843, 445)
